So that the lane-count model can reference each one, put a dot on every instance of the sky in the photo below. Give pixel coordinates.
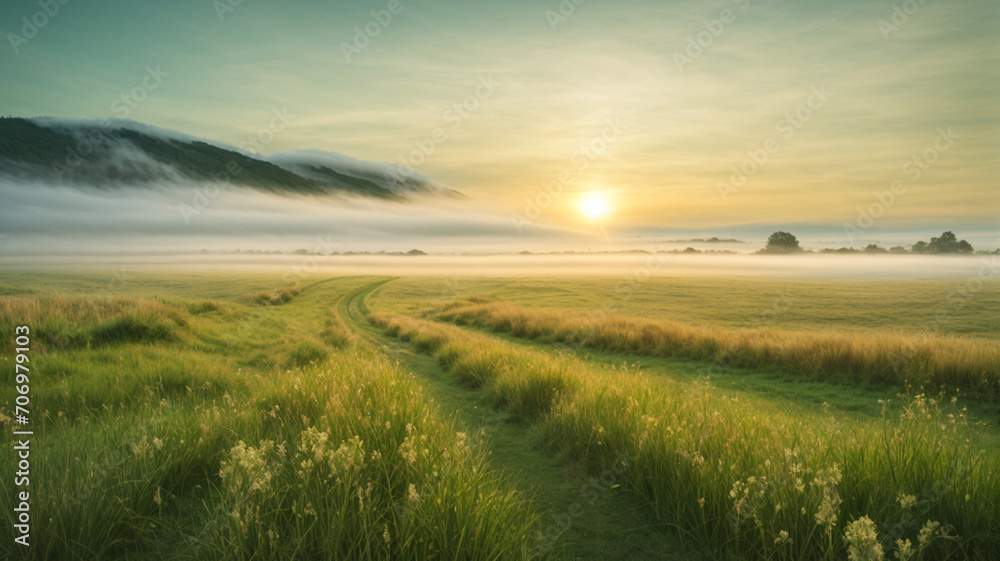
(844, 118)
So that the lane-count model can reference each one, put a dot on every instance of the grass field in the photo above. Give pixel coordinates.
(207, 416)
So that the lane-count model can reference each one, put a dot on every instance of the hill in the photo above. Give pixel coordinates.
(114, 153)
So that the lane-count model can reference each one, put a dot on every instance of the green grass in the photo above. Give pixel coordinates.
(935, 362)
(239, 433)
(908, 306)
(178, 417)
(582, 519)
(731, 475)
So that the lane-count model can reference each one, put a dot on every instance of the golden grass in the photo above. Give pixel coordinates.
(741, 478)
(60, 322)
(276, 297)
(931, 361)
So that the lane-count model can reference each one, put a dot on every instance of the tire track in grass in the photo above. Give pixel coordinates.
(612, 527)
(822, 400)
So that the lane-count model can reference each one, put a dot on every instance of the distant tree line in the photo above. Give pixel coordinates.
(310, 252)
(782, 243)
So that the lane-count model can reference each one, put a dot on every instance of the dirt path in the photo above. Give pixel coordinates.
(610, 527)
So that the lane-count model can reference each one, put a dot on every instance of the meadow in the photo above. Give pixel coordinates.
(200, 415)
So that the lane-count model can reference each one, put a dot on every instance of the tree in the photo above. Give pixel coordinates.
(872, 248)
(947, 243)
(781, 242)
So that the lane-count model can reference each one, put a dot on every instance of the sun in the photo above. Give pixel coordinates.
(595, 205)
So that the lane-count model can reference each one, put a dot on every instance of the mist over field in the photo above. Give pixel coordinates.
(633, 267)
(181, 216)
(500, 281)
(57, 219)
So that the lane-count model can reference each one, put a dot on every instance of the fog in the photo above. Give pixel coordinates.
(626, 266)
(175, 223)
(390, 176)
(179, 217)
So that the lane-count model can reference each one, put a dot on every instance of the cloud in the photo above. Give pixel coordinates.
(58, 219)
(391, 176)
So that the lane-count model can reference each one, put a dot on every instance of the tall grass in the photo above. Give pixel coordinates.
(144, 450)
(336, 332)
(363, 469)
(66, 322)
(276, 297)
(742, 478)
(932, 361)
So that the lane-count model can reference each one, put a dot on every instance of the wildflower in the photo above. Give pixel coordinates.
(412, 494)
(157, 498)
(385, 534)
(737, 485)
(701, 502)
(158, 443)
(927, 533)
(350, 455)
(141, 448)
(408, 451)
(906, 501)
(307, 467)
(829, 508)
(782, 538)
(248, 465)
(862, 541)
(904, 550)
